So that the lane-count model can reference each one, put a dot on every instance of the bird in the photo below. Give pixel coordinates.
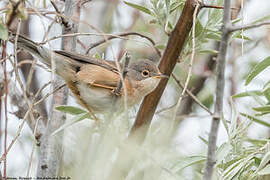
(93, 81)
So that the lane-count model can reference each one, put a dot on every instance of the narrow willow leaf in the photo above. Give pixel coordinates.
(223, 151)
(160, 46)
(233, 169)
(208, 51)
(70, 110)
(3, 32)
(258, 142)
(199, 29)
(236, 20)
(262, 109)
(175, 5)
(203, 140)
(266, 91)
(248, 93)
(138, 7)
(236, 168)
(44, 4)
(265, 160)
(265, 170)
(213, 36)
(239, 36)
(188, 161)
(168, 3)
(258, 69)
(259, 121)
(73, 121)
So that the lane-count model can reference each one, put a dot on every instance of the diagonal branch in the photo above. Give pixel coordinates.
(191, 95)
(168, 61)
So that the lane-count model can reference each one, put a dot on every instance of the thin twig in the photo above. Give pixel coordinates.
(3, 157)
(92, 34)
(28, 61)
(13, 14)
(217, 7)
(248, 26)
(190, 63)
(191, 95)
(122, 35)
(117, 91)
(30, 76)
(5, 106)
(63, 20)
(48, 94)
(33, 147)
(220, 81)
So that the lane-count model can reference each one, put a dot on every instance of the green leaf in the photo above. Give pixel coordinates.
(203, 140)
(248, 93)
(3, 32)
(214, 36)
(258, 69)
(266, 90)
(259, 121)
(235, 168)
(188, 161)
(262, 108)
(265, 160)
(73, 121)
(265, 170)
(239, 36)
(208, 51)
(175, 5)
(236, 20)
(44, 4)
(223, 151)
(160, 46)
(70, 110)
(138, 7)
(198, 28)
(257, 142)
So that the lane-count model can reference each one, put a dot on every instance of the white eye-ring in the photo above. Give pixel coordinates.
(145, 73)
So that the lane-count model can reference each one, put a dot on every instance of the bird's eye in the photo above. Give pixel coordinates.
(145, 73)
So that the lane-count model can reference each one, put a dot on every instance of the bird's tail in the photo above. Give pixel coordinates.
(44, 54)
(64, 66)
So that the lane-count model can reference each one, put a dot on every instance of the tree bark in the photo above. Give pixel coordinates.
(51, 150)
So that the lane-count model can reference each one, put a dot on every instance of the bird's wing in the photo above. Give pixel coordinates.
(110, 65)
(98, 76)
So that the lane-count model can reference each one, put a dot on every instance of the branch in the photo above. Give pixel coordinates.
(13, 13)
(63, 20)
(248, 26)
(217, 7)
(122, 35)
(220, 81)
(117, 91)
(168, 61)
(191, 95)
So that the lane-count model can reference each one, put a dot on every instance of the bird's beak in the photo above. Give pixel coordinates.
(160, 76)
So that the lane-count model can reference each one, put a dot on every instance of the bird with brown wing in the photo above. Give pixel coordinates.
(93, 81)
